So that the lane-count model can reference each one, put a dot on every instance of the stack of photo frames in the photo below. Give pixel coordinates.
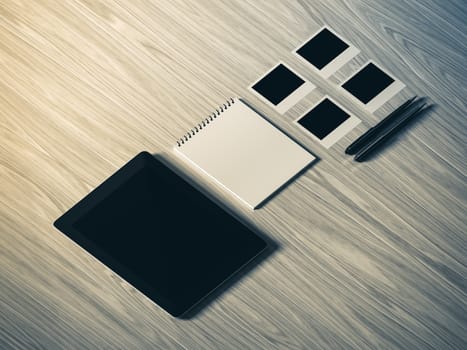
(326, 52)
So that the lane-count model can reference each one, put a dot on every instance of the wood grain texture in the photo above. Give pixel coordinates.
(371, 255)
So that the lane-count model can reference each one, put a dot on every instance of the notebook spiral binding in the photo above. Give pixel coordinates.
(188, 135)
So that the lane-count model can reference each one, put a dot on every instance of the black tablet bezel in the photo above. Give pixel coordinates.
(66, 221)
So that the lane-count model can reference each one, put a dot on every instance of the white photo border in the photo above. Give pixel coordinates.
(384, 96)
(291, 100)
(338, 133)
(337, 62)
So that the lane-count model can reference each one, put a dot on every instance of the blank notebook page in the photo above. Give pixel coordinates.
(244, 153)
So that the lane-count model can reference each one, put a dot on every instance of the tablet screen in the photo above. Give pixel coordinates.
(161, 234)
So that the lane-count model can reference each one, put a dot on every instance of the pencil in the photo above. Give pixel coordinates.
(368, 149)
(367, 136)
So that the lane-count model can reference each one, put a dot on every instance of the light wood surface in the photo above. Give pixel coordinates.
(371, 255)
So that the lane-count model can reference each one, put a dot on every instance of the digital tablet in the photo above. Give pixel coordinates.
(161, 234)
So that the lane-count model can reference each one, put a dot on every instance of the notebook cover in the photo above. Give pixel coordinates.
(243, 152)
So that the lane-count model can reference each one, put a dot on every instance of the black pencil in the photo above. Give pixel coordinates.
(360, 142)
(365, 152)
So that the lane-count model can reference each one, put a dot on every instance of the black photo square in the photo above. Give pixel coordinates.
(322, 48)
(368, 83)
(281, 87)
(323, 119)
(278, 84)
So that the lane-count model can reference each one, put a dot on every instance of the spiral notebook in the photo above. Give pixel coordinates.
(243, 152)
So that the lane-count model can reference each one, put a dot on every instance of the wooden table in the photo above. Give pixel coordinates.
(371, 255)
